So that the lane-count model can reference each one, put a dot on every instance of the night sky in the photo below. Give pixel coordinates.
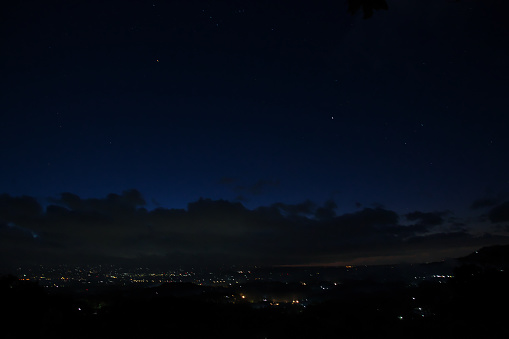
(252, 132)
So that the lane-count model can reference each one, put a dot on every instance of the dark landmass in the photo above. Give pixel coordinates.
(471, 302)
(492, 256)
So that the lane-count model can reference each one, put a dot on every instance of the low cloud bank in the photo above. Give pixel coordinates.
(118, 227)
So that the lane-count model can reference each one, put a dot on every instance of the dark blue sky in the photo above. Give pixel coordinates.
(259, 103)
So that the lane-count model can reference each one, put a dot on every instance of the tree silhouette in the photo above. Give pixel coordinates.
(368, 6)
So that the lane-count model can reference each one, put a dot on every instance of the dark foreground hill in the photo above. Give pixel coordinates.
(492, 256)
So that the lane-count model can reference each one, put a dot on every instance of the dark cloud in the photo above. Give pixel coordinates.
(305, 208)
(484, 203)
(369, 222)
(368, 7)
(500, 213)
(129, 199)
(14, 232)
(427, 218)
(327, 211)
(440, 238)
(119, 227)
(19, 209)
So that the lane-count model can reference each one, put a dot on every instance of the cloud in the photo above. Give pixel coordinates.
(305, 208)
(427, 219)
(327, 211)
(119, 227)
(19, 210)
(13, 232)
(128, 200)
(368, 6)
(484, 203)
(500, 213)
